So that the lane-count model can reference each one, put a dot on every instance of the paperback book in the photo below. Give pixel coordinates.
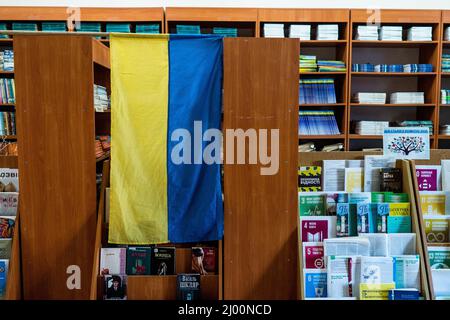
(204, 260)
(115, 287)
(138, 260)
(188, 287)
(113, 261)
(163, 261)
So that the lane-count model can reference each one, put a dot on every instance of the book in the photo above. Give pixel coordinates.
(333, 176)
(400, 209)
(439, 257)
(398, 224)
(445, 164)
(5, 248)
(310, 178)
(432, 202)
(407, 272)
(401, 244)
(437, 228)
(316, 229)
(115, 287)
(163, 261)
(378, 243)
(311, 204)
(188, 287)
(382, 217)
(9, 201)
(317, 122)
(377, 270)
(313, 255)
(331, 201)
(346, 220)
(315, 283)
(378, 291)
(204, 260)
(138, 260)
(441, 281)
(372, 165)
(428, 177)
(317, 91)
(403, 294)
(7, 226)
(354, 178)
(366, 217)
(391, 180)
(9, 180)
(113, 261)
(3, 277)
(343, 276)
(347, 246)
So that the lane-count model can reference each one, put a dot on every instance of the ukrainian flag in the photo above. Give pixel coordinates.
(160, 83)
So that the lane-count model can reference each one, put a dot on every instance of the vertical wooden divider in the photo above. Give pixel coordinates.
(260, 240)
(55, 122)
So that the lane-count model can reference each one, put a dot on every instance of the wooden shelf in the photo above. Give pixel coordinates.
(322, 43)
(394, 105)
(8, 137)
(445, 74)
(322, 104)
(391, 44)
(444, 137)
(393, 74)
(6, 72)
(7, 104)
(321, 137)
(211, 14)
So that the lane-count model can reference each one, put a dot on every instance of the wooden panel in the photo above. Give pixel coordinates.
(54, 89)
(8, 162)
(397, 16)
(261, 92)
(445, 16)
(212, 14)
(34, 13)
(100, 54)
(304, 15)
(122, 14)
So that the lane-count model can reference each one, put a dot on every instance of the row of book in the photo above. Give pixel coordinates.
(393, 33)
(7, 123)
(9, 201)
(444, 129)
(309, 63)
(317, 122)
(102, 101)
(411, 67)
(364, 127)
(446, 62)
(7, 91)
(395, 97)
(317, 91)
(303, 32)
(7, 60)
(195, 29)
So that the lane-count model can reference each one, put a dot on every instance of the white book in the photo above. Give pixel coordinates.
(377, 270)
(407, 272)
(441, 282)
(400, 244)
(343, 276)
(372, 166)
(354, 178)
(113, 261)
(9, 180)
(9, 202)
(378, 243)
(347, 246)
(333, 175)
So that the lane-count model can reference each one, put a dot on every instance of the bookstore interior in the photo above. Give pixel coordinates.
(224, 153)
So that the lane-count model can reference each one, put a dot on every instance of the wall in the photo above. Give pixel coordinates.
(392, 4)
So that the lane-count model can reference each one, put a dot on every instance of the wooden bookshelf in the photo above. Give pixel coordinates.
(394, 52)
(244, 19)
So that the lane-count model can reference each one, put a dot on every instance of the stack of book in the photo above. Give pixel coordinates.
(389, 68)
(370, 127)
(391, 33)
(416, 123)
(3, 27)
(363, 67)
(446, 62)
(331, 66)
(90, 27)
(24, 26)
(7, 91)
(420, 34)
(7, 60)
(316, 122)
(370, 97)
(273, 30)
(118, 27)
(7, 123)
(407, 98)
(101, 100)
(308, 63)
(367, 33)
(447, 34)
(418, 67)
(445, 96)
(147, 28)
(445, 129)
(301, 31)
(54, 26)
(188, 29)
(327, 32)
(317, 91)
(226, 32)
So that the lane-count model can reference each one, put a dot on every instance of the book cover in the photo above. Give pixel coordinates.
(5, 248)
(359, 197)
(112, 261)
(188, 287)
(333, 176)
(9, 180)
(432, 202)
(398, 224)
(369, 291)
(313, 255)
(316, 229)
(346, 220)
(407, 272)
(400, 209)
(439, 257)
(382, 215)
(372, 164)
(115, 287)
(9, 202)
(401, 244)
(7, 226)
(428, 177)
(391, 180)
(310, 178)
(3, 277)
(445, 174)
(204, 260)
(436, 228)
(138, 260)
(354, 178)
(343, 276)
(366, 217)
(315, 283)
(311, 204)
(163, 261)
(403, 294)
(377, 270)
(331, 201)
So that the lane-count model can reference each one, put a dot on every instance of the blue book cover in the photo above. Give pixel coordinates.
(315, 283)
(403, 294)
(398, 224)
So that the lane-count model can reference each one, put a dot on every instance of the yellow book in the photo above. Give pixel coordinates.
(432, 202)
(369, 291)
(400, 209)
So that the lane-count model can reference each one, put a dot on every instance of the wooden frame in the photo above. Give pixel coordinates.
(315, 158)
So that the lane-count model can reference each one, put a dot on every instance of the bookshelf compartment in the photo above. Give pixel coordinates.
(244, 29)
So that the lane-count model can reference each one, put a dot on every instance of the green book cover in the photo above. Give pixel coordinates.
(439, 257)
(138, 260)
(311, 205)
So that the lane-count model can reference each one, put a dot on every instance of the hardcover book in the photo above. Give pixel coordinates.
(311, 204)
(188, 287)
(163, 261)
(310, 178)
(112, 261)
(204, 260)
(138, 260)
(115, 287)
(313, 255)
(391, 180)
